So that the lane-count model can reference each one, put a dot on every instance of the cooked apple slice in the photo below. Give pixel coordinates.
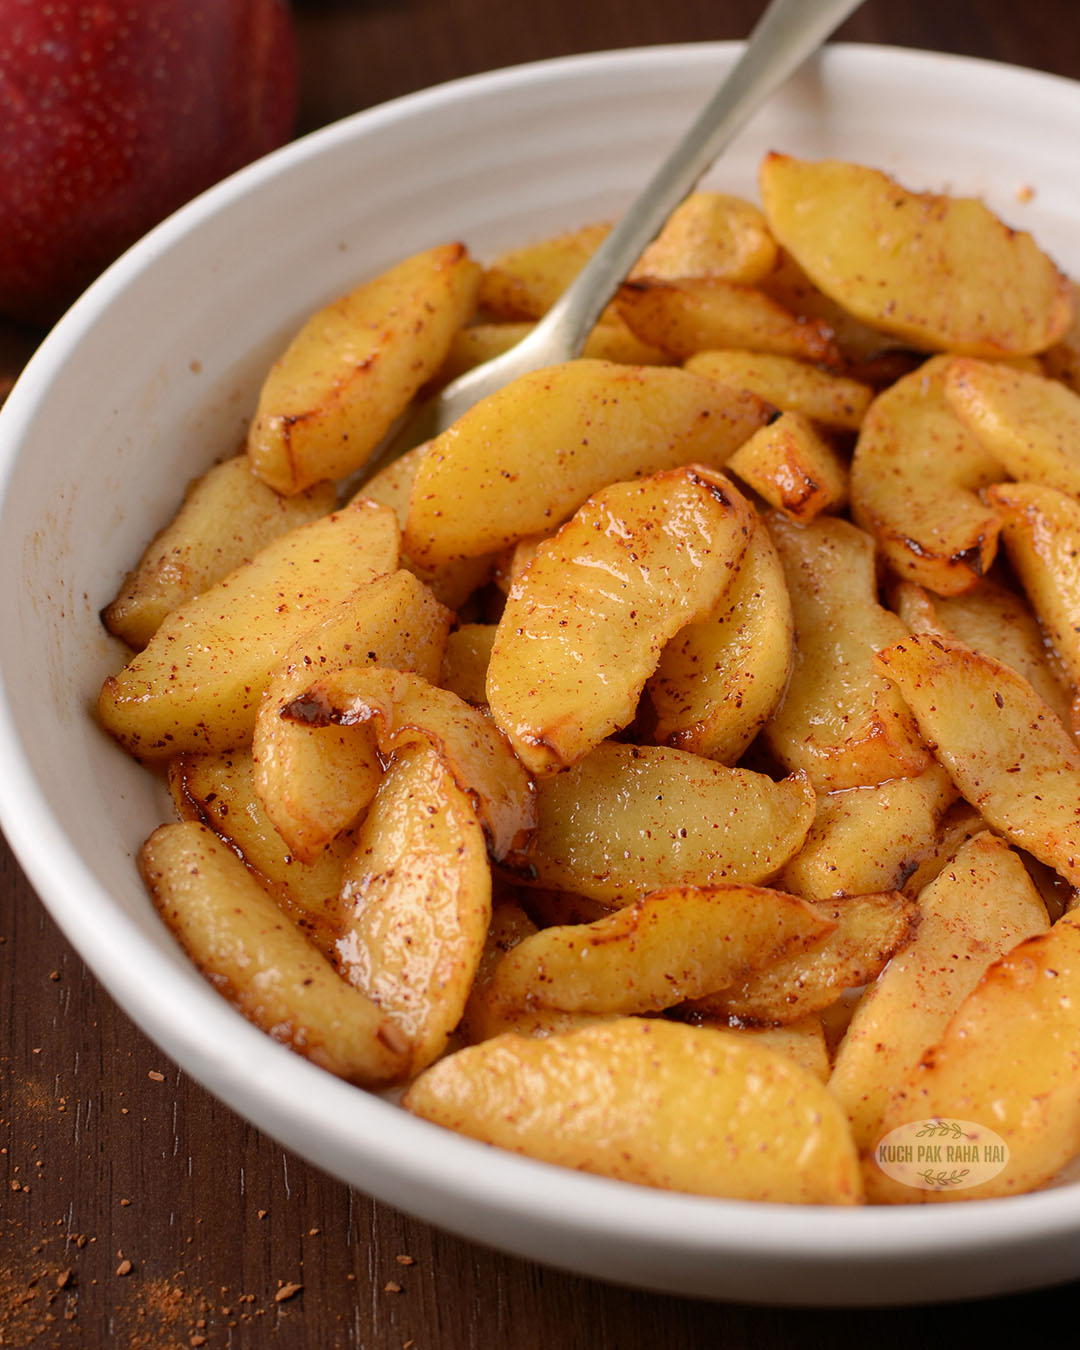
(867, 839)
(652, 1102)
(486, 1016)
(795, 386)
(392, 486)
(197, 685)
(585, 623)
(791, 465)
(314, 780)
(354, 366)
(465, 661)
(219, 791)
(1007, 1060)
(416, 901)
(1027, 422)
(915, 478)
(839, 721)
(865, 348)
(942, 273)
(719, 680)
(260, 962)
(1003, 747)
(710, 234)
(629, 819)
(992, 619)
(1062, 360)
(802, 1041)
(982, 904)
(704, 314)
(1041, 531)
(226, 517)
(673, 945)
(866, 932)
(960, 823)
(404, 710)
(524, 459)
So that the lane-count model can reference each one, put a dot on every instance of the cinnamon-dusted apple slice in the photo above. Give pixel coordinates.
(720, 679)
(1007, 1061)
(416, 901)
(1028, 422)
(1004, 748)
(866, 933)
(915, 480)
(631, 819)
(867, 839)
(354, 366)
(990, 618)
(485, 1016)
(314, 780)
(795, 386)
(525, 458)
(198, 683)
(793, 467)
(1041, 531)
(672, 945)
(403, 709)
(586, 621)
(981, 904)
(226, 517)
(260, 962)
(652, 1102)
(683, 318)
(219, 791)
(941, 273)
(839, 721)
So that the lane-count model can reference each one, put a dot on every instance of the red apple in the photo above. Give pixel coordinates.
(113, 113)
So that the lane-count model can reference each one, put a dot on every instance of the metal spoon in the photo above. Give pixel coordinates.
(785, 35)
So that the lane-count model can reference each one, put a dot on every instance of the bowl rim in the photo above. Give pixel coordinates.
(279, 1091)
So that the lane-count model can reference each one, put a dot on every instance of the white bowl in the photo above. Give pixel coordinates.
(152, 376)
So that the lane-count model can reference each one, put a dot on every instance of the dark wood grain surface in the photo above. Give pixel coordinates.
(138, 1211)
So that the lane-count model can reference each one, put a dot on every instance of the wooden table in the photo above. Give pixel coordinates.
(138, 1211)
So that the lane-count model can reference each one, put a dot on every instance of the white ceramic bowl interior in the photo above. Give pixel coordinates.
(152, 376)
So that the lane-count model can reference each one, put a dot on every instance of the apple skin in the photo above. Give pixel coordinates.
(115, 112)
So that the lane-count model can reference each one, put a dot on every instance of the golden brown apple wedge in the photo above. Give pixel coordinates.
(982, 904)
(226, 517)
(252, 954)
(652, 1102)
(197, 685)
(354, 366)
(839, 721)
(1004, 748)
(630, 819)
(672, 945)
(523, 460)
(586, 621)
(416, 901)
(941, 273)
(915, 480)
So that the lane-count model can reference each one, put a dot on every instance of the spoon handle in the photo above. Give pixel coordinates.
(787, 33)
